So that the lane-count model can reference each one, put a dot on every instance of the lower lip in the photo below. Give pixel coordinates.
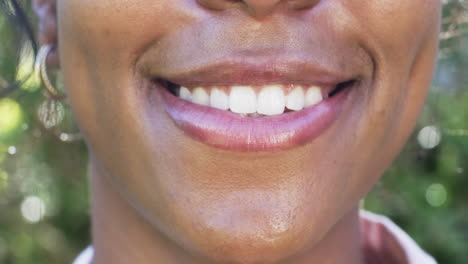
(229, 131)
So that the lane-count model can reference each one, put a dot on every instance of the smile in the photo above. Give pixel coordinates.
(250, 109)
(257, 101)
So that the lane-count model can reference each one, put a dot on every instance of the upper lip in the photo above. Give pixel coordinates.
(240, 70)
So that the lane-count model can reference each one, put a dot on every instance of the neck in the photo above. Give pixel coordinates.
(122, 235)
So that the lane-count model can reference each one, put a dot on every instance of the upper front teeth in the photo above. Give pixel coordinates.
(270, 100)
(219, 99)
(242, 100)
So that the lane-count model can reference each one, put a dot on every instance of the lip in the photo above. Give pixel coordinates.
(241, 70)
(229, 131)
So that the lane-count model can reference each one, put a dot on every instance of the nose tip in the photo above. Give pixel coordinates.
(257, 8)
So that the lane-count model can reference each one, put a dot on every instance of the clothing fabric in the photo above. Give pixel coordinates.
(383, 242)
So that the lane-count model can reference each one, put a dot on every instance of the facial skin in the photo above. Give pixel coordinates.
(157, 193)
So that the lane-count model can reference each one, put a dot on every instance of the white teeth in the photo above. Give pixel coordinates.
(219, 99)
(242, 100)
(295, 99)
(271, 101)
(313, 96)
(200, 96)
(185, 94)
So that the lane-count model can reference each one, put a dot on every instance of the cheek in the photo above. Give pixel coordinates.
(106, 27)
(402, 38)
(99, 44)
(102, 33)
(397, 26)
(100, 41)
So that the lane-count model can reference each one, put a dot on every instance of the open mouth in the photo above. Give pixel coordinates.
(252, 118)
(254, 104)
(257, 100)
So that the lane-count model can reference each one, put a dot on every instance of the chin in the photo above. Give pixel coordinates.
(256, 227)
(252, 241)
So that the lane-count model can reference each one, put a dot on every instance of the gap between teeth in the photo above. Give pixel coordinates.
(270, 100)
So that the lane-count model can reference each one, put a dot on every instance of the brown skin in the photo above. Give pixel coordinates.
(161, 197)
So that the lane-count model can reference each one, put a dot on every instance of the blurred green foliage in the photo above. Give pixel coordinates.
(44, 193)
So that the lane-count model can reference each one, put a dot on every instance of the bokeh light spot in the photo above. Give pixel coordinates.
(10, 116)
(436, 195)
(11, 150)
(33, 209)
(429, 137)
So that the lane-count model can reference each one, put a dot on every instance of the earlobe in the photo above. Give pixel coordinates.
(46, 13)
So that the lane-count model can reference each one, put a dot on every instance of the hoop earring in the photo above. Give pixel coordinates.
(51, 111)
